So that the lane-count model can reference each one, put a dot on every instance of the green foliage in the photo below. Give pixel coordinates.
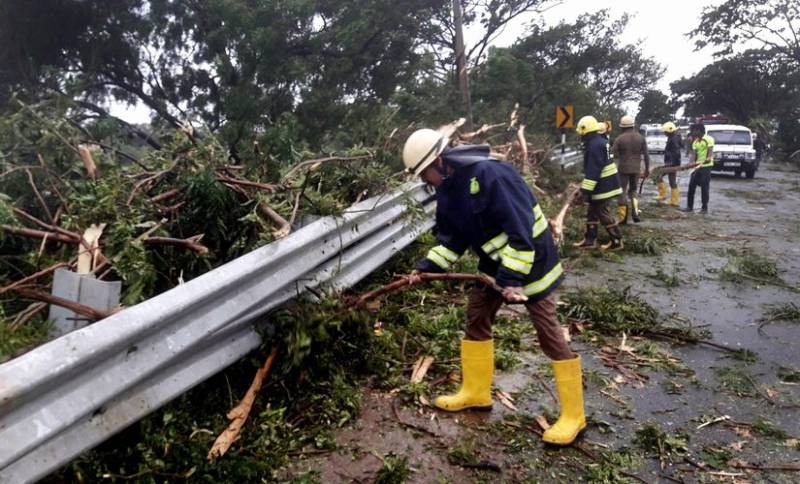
(610, 311)
(736, 380)
(395, 470)
(28, 335)
(655, 441)
(745, 264)
(655, 107)
(650, 241)
(766, 428)
(607, 470)
(784, 312)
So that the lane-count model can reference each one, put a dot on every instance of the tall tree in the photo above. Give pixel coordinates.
(773, 25)
(655, 107)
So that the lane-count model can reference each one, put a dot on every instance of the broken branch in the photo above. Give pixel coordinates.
(557, 223)
(82, 309)
(191, 243)
(238, 415)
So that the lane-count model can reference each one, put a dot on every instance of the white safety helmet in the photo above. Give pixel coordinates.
(422, 148)
(627, 121)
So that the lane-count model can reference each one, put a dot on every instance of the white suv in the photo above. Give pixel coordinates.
(733, 149)
(656, 138)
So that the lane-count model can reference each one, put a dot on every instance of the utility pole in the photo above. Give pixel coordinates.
(461, 63)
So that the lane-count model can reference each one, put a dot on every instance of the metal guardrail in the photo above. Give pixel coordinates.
(74, 392)
(571, 157)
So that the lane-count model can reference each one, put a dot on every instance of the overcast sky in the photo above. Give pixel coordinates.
(659, 27)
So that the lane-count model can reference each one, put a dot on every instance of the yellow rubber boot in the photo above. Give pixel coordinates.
(477, 370)
(635, 211)
(674, 198)
(622, 210)
(662, 191)
(570, 392)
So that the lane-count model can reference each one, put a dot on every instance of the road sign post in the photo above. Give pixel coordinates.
(564, 121)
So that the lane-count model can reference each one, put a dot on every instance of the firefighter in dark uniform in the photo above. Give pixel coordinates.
(484, 205)
(672, 157)
(703, 157)
(600, 184)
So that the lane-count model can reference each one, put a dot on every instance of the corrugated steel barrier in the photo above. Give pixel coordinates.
(74, 392)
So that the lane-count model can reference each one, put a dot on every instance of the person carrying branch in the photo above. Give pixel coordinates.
(485, 205)
(702, 157)
(600, 184)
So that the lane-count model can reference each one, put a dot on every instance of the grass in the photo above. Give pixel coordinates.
(610, 466)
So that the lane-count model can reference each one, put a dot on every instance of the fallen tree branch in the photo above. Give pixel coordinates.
(238, 415)
(190, 243)
(314, 163)
(557, 223)
(168, 195)
(246, 183)
(32, 277)
(423, 277)
(483, 130)
(82, 309)
(38, 195)
(766, 468)
(29, 313)
(283, 226)
(37, 234)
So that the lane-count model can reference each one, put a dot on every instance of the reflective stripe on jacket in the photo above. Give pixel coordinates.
(488, 207)
(600, 179)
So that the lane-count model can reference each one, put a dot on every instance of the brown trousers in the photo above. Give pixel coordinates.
(484, 304)
(628, 182)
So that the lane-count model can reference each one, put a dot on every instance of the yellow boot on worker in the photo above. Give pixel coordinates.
(477, 371)
(635, 203)
(570, 392)
(622, 210)
(662, 191)
(674, 199)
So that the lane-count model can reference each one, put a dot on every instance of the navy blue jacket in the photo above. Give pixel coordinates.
(486, 206)
(672, 151)
(600, 175)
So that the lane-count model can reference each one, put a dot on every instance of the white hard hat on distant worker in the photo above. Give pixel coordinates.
(422, 148)
(627, 121)
(669, 127)
(586, 125)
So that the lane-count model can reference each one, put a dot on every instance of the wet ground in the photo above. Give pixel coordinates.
(753, 407)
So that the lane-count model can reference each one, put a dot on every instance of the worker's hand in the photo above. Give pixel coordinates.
(514, 294)
(646, 174)
(413, 278)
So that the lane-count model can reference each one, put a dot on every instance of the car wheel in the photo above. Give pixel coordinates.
(751, 173)
(737, 173)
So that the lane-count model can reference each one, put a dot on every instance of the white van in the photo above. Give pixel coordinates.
(655, 136)
(733, 149)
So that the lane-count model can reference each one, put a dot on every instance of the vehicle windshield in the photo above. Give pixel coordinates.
(731, 137)
(655, 132)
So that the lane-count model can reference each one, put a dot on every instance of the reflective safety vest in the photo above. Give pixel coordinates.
(700, 148)
(600, 178)
(487, 207)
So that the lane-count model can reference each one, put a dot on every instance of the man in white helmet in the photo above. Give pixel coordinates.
(484, 205)
(628, 151)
